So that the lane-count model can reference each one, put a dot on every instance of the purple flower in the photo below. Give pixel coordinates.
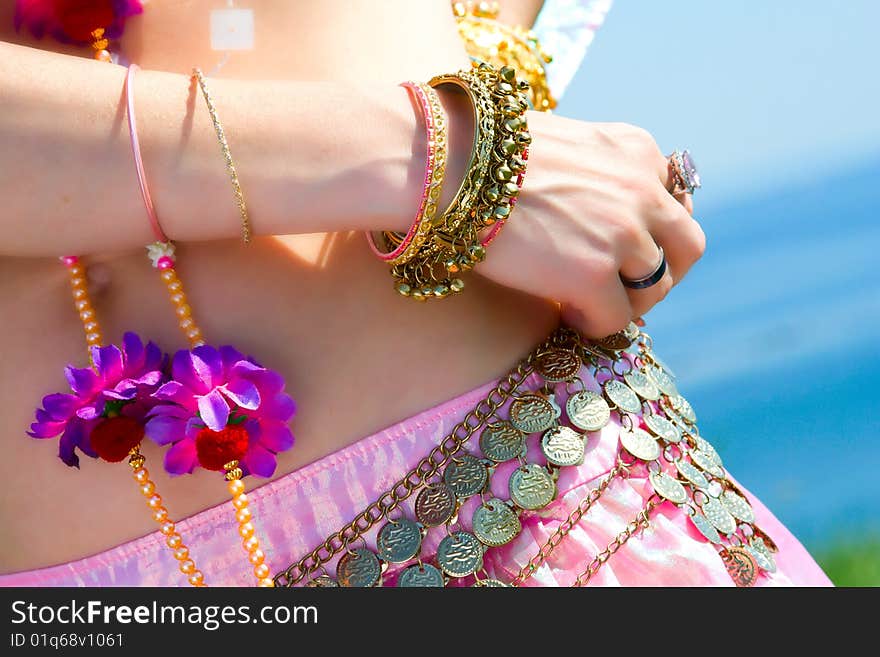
(223, 406)
(73, 21)
(121, 383)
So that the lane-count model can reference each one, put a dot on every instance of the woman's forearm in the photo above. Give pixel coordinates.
(310, 156)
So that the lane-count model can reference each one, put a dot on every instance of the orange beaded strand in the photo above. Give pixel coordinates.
(94, 337)
(81, 300)
(99, 45)
(161, 254)
(160, 514)
(246, 530)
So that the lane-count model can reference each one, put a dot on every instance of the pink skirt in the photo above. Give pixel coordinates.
(297, 512)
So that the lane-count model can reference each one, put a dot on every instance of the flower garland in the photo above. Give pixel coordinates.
(74, 21)
(215, 407)
(211, 405)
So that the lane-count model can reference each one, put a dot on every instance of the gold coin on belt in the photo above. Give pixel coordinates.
(358, 568)
(587, 410)
(705, 527)
(718, 516)
(435, 505)
(705, 446)
(640, 444)
(622, 396)
(705, 463)
(762, 554)
(558, 365)
(489, 583)
(460, 554)
(502, 441)
(399, 540)
(563, 446)
(531, 487)
(693, 475)
(668, 487)
(644, 386)
(531, 413)
(495, 523)
(322, 581)
(466, 475)
(683, 407)
(740, 565)
(737, 506)
(662, 428)
(662, 380)
(760, 533)
(620, 340)
(420, 575)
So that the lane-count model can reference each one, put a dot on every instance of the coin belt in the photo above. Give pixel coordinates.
(658, 436)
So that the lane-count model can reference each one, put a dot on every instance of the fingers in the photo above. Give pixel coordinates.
(641, 301)
(681, 237)
(639, 262)
(671, 224)
(605, 308)
(686, 200)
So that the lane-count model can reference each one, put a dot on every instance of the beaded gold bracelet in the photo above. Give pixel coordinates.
(487, 192)
(435, 172)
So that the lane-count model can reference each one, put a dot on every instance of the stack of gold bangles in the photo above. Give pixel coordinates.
(427, 260)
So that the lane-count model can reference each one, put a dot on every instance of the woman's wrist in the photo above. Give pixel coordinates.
(311, 156)
(399, 165)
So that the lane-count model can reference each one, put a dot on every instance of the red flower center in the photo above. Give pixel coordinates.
(113, 438)
(217, 448)
(79, 18)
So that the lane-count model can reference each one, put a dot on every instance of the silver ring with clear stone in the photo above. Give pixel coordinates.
(685, 176)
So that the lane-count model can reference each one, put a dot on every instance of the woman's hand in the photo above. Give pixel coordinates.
(594, 207)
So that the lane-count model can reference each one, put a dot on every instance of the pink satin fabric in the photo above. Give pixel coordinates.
(295, 513)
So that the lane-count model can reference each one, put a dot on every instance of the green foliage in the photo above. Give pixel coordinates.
(850, 562)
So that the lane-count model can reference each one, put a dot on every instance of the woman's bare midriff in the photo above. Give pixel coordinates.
(318, 308)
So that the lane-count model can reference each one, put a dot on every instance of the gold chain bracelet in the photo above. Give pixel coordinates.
(227, 157)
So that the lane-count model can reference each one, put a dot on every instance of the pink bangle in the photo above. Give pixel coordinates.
(435, 168)
(498, 225)
(136, 152)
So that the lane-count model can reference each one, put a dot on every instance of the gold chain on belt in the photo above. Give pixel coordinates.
(681, 466)
(427, 468)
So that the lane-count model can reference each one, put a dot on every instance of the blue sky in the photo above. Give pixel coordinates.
(761, 92)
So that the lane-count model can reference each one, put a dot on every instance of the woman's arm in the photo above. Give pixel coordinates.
(317, 157)
(311, 156)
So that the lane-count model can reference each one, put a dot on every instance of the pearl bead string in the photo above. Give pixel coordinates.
(161, 254)
(94, 337)
(160, 514)
(250, 542)
(82, 302)
(83, 305)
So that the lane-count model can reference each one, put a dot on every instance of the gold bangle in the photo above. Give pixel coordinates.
(227, 156)
(487, 192)
(466, 197)
(437, 153)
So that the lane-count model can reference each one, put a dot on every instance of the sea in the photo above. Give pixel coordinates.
(773, 337)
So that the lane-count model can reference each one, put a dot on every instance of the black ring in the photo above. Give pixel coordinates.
(651, 279)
